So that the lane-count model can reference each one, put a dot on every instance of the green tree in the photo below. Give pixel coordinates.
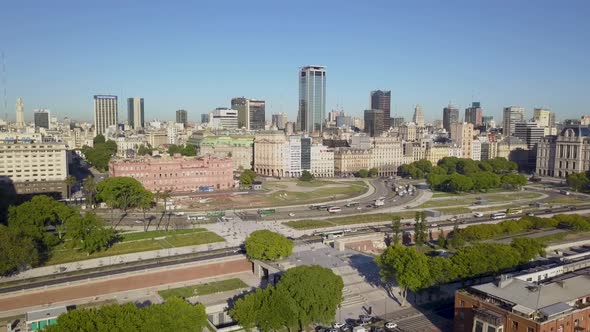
(247, 311)
(16, 252)
(396, 227)
(528, 248)
(441, 270)
(315, 290)
(70, 181)
(99, 139)
(456, 241)
(443, 241)
(31, 218)
(406, 266)
(420, 228)
(144, 150)
(578, 181)
(457, 183)
(306, 176)
(90, 190)
(267, 246)
(485, 180)
(514, 181)
(373, 172)
(121, 192)
(483, 258)
(173, 315)
(363, 173)
(189, 150)
(89, 233)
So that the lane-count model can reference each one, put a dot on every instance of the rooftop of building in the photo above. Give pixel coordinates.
(540, 301)
(48, 313)
(166, 158)
(578, 130)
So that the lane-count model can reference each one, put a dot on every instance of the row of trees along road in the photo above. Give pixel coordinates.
(452, 174)
(303, 295)
(173, 315)
(410, 269)
(25, 241)
(100, 154)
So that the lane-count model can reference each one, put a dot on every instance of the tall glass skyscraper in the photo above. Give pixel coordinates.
(312, 98)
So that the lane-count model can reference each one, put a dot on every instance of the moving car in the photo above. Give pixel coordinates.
(338, 325)
(478, 214)
(453, 218)
(390, 325)
(291, 214)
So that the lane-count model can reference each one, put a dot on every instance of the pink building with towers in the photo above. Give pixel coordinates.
(177, 173)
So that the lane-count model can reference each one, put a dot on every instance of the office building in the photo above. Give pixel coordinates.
(512, 115)
(176, 173)
(182, 117)
(106, 113)
(546, 120)
(486, 120)
(321, 161)
(223, 118)
(462, 135)
(204, 118)
(312, 98)
(279, 120)
(533, 302)
(564, 154)
(418, 116)
(135, 112)
(408, 131)
(585, 120)
(374, 122)
(20, 113)
(450, 116)
(381, 100)
(396, 121)
(41, 117)
(251, 113)
(530, 132)
(474, 114)
(343, 121)
(30, 167)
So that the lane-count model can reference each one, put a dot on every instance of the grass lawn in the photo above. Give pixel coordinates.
(308, 224)
(454, 210)
(446, 202)
(495, 198)
(134, 236)
(63, 254)
(567, 200)
(292, 197)
(351, 220)
(438, 194)
(204, 289)
(314, 183)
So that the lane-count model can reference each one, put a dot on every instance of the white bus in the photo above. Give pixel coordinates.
(499, 215)
(195, 217)
(334, 209)
(333, 234)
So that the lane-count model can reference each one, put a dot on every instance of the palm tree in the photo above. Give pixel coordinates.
(90, 189)
(70, 181)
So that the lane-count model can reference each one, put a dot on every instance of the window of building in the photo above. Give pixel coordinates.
(532, 329)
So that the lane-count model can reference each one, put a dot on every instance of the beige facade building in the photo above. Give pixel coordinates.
(270, 153)
(387, 155)
(239, 149)
(435, 152)
(564, 154)
(508, 145)
(462, 134)
(157, 138)
(348, 161)
(408, 131)
(34, 168)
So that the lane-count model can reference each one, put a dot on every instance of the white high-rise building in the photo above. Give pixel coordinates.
(20, 113)
(418, 116)
(512, 115)
(106, 113)
(223, 118)
(546, 120)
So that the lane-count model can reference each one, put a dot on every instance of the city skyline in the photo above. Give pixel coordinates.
(546, 67)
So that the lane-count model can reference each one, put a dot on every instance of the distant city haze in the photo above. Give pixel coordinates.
(197, 56)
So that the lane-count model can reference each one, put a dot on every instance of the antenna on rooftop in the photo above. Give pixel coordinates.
(4, 86)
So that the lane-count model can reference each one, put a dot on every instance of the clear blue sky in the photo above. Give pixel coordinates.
(197, 55)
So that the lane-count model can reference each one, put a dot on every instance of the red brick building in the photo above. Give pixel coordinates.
(177, 173)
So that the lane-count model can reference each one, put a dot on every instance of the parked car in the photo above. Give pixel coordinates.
(390, 325)
(291, 214)
(338, 325)
(377, 329)
(530, 214)
(365, 318)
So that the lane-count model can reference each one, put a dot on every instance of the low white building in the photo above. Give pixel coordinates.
(476, 149)
(223, 118)
(322, 161)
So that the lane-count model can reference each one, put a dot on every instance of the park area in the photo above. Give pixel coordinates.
(136, 242)
(277, 193)
(349, 220)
